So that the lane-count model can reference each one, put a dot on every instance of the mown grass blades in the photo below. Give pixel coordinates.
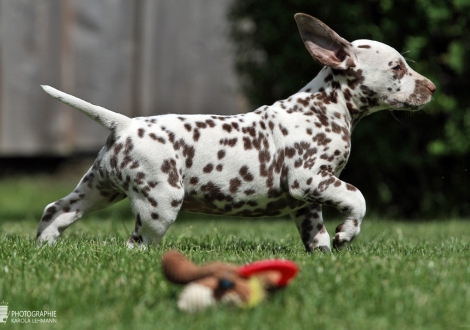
(418, 279)
(396, 275)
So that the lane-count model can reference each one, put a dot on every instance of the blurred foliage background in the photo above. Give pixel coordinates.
(407, 165)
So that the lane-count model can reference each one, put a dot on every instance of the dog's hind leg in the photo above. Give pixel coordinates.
(155, 211)
(309, 222)
(92, 193)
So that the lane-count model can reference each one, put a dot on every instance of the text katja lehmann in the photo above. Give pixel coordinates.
(33, 316)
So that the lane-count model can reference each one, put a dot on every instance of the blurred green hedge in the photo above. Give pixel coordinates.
(407, 165)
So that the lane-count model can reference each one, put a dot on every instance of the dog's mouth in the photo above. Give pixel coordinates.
(410, 107)
(411, 104)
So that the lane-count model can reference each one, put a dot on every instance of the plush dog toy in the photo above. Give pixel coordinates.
(218, 282)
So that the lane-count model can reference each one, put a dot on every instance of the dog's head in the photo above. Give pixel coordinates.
(375, 75)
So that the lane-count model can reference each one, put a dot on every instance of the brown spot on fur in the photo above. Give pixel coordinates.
(249, 130)
(284, 130)
(208, 168)
(264, 156)
(227, 127)
(110, 141)
(321, 139)
(113, 162)
(357, 77)
(289, 152)
(228, 142)
(171, 136)
(188, 152)
(235, 183)
(335, 128)
(303, 102)
(140, 177)
(245, 174)
(339, 228)
(152, 202)
(128, 146)
(350, 187)
(169, 167)
(135, 164)
(298, 162)
(212, 191)
(117, 148)
(201, 124)
(247, 143)
(126, 161)
(50, 212)
(323, 185)
(352, 110)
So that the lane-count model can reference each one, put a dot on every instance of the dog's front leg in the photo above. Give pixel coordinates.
(309, 222)
(325, 188)
(347, 199)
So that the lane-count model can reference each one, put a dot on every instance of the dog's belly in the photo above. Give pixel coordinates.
(223, 205)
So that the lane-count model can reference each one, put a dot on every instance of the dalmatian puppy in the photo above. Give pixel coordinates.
(280, 159)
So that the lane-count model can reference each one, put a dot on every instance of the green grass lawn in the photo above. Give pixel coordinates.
(396, 275)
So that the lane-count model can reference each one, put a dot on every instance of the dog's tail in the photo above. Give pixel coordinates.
(105, 117)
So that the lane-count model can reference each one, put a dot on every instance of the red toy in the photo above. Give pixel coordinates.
(286, 269)
(214, 282)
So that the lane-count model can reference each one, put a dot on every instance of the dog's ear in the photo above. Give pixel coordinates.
(324, 44)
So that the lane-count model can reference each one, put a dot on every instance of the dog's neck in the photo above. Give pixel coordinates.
(356, 101)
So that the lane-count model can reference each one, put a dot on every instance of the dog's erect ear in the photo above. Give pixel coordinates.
(324, 44)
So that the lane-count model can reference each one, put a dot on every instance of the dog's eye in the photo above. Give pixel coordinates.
(397, 68)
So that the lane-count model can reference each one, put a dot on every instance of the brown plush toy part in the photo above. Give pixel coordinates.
(219, 282)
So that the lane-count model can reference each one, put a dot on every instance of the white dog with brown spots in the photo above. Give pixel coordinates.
(280, 159)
